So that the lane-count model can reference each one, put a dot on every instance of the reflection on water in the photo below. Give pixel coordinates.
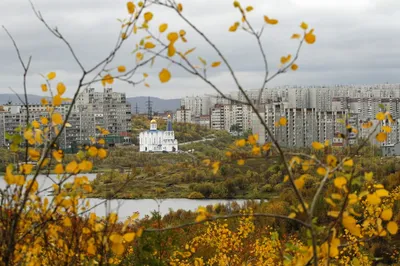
(126, 208)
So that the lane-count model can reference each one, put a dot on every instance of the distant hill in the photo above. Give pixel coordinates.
(159, 105)
(6, 97)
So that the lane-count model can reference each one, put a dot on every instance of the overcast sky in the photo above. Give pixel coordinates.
(357, 42)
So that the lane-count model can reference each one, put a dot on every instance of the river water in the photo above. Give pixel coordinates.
(126, 208)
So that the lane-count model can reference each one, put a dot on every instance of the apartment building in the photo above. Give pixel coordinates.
(106, 109)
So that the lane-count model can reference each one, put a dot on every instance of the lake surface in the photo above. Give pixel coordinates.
(126, 208)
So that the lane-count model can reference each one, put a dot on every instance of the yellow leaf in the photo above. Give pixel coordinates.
(204, 62)
(339, 182)
(163, 27)
(107, 79)
(256, 150)
(286, 59)
(98, 227)
(61, 88)
(392, 227)
(58, 155)
(380, 116)
(172, 37)
(180, 7)
(330, 202)
(382, 193)
(59, 169)
(387, 129)
(34, 154)
(294, 67)
(283, 121)
(189, 51)
(149, 45)
(67, 222)
(336, 196)
(148, 16)
(51, 75)
(118, 248)
(299, 183)
(44, 87)
(91, 250)
(331, 160)
(292, 215)
(72, 167)
(387, 214)
(304, 26)
(249, 8)
(240, 142)
(349, 163)
(228, 154)
(216, 64)
(128, 237)
(317, 145)
(139, 56)
(26, 169)
(35, 124)
(333, 214)
(240, 162)
(116, 238)
(234, 27)
(267, 146)
(102, 153)
(368, 176)
(295, 36)
(131, 7)
(121, 69)
(43, 101)
(310, 37)
(270, 21)
(350, 224)
(171, 50)
(285, 179)
(44, 120)
(164, 75)
(373, 199)
(57, 100)
(321, 171)
(56, 118)
(381, 136)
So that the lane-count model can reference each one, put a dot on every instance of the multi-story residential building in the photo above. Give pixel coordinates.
(304, 125)
(183, 115)
(108, 110)
(111, 110)
(234, 117)
(198, 105)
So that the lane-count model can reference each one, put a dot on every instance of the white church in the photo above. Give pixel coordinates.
(158, 140)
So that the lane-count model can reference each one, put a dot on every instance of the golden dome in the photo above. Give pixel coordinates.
(169, 116)
(153, 121)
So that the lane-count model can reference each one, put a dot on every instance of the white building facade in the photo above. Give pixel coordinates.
(155, 140)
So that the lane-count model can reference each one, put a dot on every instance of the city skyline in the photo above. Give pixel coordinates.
(354, 43)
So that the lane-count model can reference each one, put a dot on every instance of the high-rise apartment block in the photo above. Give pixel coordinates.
(92, 109)
(312, 113)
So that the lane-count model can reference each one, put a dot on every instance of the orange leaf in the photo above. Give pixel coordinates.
(270, 21)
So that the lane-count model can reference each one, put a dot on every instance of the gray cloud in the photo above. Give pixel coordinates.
(357, 42)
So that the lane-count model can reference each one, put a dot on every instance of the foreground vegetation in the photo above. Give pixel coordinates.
(332, 206)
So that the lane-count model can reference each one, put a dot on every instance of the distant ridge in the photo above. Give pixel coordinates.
(159, 105)
(6, 97)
